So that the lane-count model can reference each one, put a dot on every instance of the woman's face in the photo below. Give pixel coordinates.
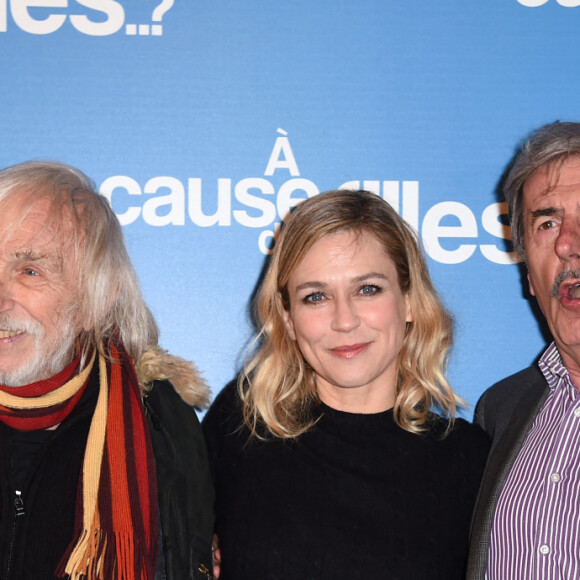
(348, 316)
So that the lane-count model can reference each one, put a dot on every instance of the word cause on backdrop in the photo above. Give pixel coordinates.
(256, 202)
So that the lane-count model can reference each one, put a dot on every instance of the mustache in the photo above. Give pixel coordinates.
(13, 323)
(562, 276)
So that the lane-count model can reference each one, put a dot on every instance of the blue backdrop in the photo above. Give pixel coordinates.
(205, 121)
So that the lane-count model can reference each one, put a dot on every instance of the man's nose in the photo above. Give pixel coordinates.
(6, 298)
(568, 241)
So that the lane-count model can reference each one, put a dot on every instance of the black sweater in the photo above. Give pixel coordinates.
(354, 497)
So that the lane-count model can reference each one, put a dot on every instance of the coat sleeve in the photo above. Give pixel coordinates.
(185, 488)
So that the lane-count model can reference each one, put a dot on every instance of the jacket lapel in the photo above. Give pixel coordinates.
(499, 463)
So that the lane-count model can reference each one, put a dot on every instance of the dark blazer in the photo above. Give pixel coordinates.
(506, 411)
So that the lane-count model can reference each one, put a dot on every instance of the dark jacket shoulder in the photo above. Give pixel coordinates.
(506, 411)
(185, 488)
(498, 404)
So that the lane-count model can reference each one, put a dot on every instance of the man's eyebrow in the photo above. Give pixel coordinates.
(32, 256)
(542, 212)
(50, 261)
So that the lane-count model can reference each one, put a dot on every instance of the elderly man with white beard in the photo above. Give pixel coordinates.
(103, 468)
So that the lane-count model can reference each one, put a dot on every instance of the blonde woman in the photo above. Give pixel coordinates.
(338, 454)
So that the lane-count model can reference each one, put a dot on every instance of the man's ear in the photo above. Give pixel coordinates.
(82, 318)
(531, 286)
(89, 317)
(84, 323)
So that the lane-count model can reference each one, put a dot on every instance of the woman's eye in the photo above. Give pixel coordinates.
(369, 290)
(30, 272)
(314, 298)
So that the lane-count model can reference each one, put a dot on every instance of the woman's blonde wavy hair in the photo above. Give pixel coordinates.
(278, 387)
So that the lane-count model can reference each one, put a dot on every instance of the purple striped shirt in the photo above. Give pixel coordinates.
(536, 527)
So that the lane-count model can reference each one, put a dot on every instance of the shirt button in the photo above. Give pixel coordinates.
(555, 477)
(577, 411)
(545, 549)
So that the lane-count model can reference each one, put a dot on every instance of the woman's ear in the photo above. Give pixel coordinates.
(288, 322)
(409, 311)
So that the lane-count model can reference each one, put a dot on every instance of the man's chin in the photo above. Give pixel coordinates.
(20, 377)
(41, 360)
(32, 372)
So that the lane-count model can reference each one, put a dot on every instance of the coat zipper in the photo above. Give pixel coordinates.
(19, 504)
(18, 511)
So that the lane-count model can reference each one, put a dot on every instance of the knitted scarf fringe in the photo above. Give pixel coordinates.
(90, 558)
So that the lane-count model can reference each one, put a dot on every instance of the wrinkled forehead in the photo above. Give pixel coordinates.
(36, 225)
(563, 172)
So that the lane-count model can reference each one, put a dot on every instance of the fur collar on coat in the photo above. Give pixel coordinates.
(156, 364)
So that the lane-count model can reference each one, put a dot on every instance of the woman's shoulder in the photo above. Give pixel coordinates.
(225, 412)
(227, 399)
(461, 434)
(460, 448)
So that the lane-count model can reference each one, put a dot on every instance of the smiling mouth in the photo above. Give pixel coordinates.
(350, 350)
(10, 333)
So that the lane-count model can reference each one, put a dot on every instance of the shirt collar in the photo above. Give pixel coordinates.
(553, 368)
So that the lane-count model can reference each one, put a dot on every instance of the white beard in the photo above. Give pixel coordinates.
(48, 358)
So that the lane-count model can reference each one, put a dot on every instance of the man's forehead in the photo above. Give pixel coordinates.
(556, 174)
(553, 183)
(34, 226)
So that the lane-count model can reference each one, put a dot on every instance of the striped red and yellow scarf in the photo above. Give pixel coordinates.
(116, 520)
